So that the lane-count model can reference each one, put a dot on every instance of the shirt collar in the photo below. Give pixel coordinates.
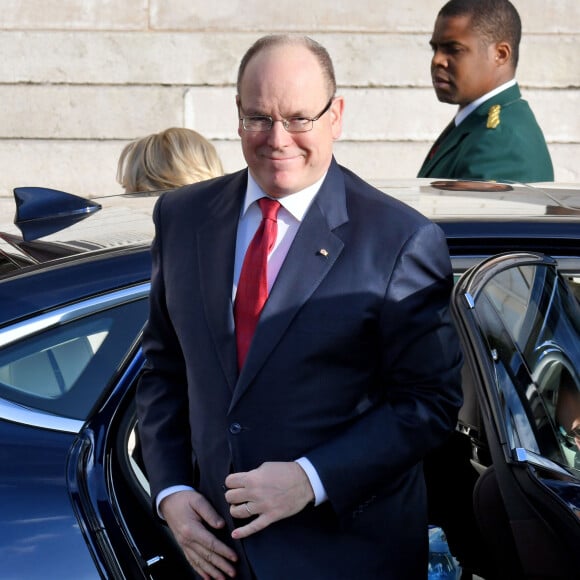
(461, 115)
(296, 203)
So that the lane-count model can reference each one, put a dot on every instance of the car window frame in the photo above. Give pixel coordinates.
(65, 314)
(494, 391)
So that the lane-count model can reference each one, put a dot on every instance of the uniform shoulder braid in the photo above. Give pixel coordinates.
(493, 116)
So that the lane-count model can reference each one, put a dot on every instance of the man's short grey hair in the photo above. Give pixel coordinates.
(275, 40)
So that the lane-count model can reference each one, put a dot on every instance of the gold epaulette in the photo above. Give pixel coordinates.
(493, 116)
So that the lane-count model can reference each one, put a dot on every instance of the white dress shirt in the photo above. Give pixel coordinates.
(290, 215)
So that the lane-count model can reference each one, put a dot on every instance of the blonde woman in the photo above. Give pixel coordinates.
(167, 160)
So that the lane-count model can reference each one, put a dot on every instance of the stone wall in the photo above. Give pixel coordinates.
(79, 78)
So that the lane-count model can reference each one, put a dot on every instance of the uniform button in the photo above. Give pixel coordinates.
(235, 428)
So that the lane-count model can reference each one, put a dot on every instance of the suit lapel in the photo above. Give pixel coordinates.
(446, 145)
(216, 243)
(312, 254)
(439, 141)
(449, 144)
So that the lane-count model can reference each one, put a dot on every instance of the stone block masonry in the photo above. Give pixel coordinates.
(80, 78)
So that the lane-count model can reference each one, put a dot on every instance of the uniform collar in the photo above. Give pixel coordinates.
(466, 111)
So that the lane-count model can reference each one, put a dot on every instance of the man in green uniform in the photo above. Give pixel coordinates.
(494, 134)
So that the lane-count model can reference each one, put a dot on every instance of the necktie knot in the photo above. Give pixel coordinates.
(269, 208)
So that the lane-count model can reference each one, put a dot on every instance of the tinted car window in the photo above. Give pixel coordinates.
(65, 368)
(537, 338)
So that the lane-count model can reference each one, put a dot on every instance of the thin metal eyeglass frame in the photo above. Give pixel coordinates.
(285, 122)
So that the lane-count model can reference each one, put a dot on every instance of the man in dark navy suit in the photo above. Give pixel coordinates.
(292, 447)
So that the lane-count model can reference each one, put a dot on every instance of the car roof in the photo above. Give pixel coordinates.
(482, 218)
(51, 233)
(106, 250)
(446, 200)
(468, 211)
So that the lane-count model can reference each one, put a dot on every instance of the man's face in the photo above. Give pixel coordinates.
(284, 82)
(463, 67)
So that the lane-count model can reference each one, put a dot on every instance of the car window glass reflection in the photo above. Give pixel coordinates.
(568, 421)
(65, 369)
(542, 317)
(574, 282)
(135, 458)
(52, 371)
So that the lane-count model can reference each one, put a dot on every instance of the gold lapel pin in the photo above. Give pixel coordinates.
(323, 252)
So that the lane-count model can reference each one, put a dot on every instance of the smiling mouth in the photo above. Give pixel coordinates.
(280, 159)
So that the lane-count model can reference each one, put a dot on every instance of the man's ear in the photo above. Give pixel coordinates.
(503, 53)
(336, 111)
(238, 105)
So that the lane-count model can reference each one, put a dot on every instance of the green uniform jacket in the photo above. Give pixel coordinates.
(513, 149)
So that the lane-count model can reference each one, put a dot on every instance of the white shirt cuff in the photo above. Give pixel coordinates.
(315, 481)
(167, 492)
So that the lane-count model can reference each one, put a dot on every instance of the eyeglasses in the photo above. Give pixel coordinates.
(256, 123)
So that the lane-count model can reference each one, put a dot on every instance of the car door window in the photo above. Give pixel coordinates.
(64, 368)
(536, 339)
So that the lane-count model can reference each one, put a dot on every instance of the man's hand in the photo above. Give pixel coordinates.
(271, 492)
(187, 513)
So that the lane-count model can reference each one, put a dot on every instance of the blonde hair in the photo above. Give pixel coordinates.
(167, 160)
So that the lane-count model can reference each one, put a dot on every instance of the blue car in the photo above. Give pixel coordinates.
(74, 282)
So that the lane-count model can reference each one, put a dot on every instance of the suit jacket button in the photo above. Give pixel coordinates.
(235, 428)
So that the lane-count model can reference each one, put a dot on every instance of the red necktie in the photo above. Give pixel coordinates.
(252, 289)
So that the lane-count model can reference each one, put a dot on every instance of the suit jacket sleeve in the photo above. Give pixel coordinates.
(421, 362)
(162, 398)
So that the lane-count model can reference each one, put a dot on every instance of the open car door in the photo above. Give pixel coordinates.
(519, 323)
